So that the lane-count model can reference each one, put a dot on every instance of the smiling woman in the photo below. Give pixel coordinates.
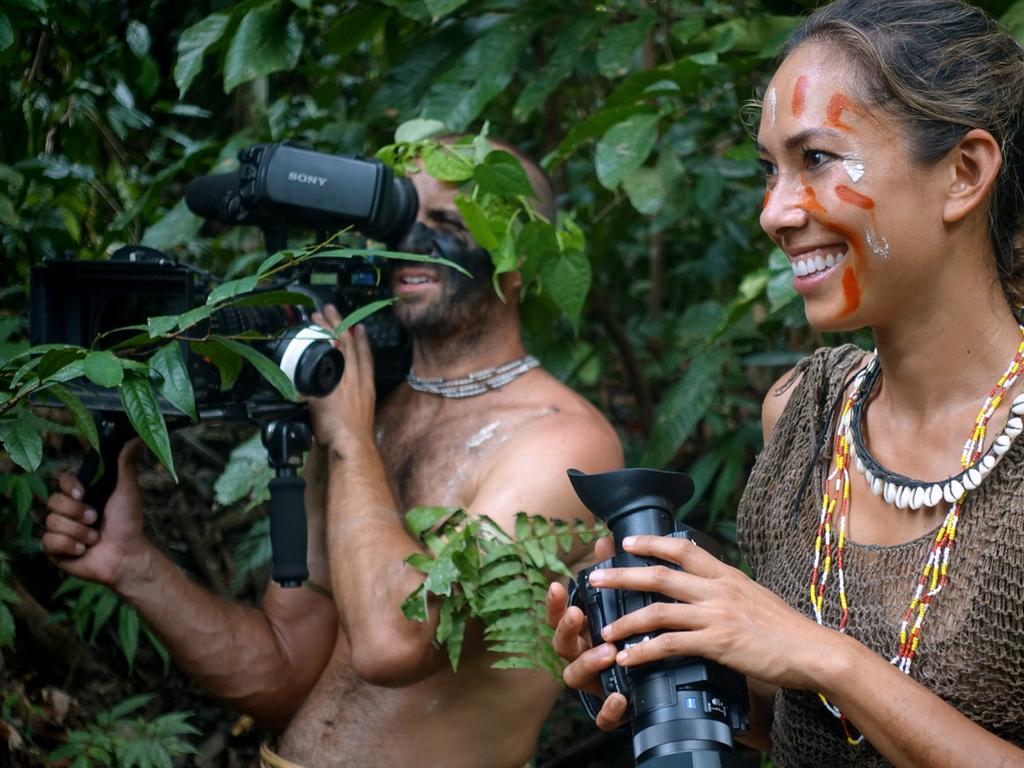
(882, 520)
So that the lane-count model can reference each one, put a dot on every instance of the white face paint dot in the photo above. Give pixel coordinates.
(772, 102)
(878, 245)
(854, 169)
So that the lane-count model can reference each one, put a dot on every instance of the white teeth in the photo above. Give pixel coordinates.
(817, 263)
(415, 280)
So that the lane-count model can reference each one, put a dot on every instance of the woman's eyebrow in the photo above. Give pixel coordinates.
(804, 136)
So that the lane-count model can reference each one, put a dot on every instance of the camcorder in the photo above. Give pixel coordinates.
(684, 710)
(276, 188)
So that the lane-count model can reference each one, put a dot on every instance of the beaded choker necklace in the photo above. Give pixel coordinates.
(903, 492)
(475, 383)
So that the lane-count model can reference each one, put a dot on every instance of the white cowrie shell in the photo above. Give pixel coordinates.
(956, 488)
(934, 495)
(877, 486)
(889, 494)
(917, 498)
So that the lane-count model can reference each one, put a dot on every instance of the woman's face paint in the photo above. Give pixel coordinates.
(854, 169)
(800, 95)
(837, 222)
(773, 103)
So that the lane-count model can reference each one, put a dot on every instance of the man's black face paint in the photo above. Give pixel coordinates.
(423, 239)
(464, 300)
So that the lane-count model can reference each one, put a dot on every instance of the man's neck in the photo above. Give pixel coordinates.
(472, 349)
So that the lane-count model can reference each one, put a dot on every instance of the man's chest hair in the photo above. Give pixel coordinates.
(439, 460)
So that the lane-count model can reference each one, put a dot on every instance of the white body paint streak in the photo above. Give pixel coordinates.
(482, 436)
(878, 245)
(854, 169)
(772, 101)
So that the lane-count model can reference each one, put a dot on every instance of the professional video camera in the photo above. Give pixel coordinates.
(276, 188)
(684, 710)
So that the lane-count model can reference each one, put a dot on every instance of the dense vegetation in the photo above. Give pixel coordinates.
(111, 106)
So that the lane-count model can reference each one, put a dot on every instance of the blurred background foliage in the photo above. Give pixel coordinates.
(636, 110)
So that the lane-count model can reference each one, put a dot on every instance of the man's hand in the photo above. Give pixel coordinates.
(345, 416)
(81, 550)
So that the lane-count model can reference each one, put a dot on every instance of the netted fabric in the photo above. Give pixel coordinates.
(972, 645)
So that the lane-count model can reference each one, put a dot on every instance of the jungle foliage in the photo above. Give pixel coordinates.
(111, 106)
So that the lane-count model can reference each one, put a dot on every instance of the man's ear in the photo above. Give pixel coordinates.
(973, 166)
(510, 283)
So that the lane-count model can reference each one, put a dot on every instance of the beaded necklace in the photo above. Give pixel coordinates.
(475, 383)
(849, 448)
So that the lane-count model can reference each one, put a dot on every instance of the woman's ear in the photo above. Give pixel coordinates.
(974, 164)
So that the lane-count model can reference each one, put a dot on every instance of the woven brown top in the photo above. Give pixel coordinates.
(972, 645)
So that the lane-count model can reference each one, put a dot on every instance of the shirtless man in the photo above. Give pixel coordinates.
(340, 674)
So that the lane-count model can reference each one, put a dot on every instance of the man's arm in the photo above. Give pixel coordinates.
(368, 541)
(262, 661)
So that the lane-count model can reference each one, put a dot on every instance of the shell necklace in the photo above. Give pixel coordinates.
(903, 492)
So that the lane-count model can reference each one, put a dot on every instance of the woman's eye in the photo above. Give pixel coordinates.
(767, 168)
(814, 158)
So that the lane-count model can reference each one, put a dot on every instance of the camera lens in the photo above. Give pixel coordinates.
(309, 360)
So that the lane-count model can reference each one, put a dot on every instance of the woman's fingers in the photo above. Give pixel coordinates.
(678, 585)
(683, 552)
(614, 712)
(583, 674)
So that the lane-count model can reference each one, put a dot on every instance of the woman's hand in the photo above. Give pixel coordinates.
(572, 643)
(722, 615)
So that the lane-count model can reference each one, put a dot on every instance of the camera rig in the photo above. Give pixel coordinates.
(276, 188)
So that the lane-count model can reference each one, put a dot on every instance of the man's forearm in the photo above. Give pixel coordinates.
(230, 649)
(368, 545)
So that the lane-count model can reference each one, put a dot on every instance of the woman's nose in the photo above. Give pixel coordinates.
(784, 206)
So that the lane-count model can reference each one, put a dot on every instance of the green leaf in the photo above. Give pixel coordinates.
(501, 173)
(7, 628)
(567, 282)
(179, 226)
(140, 403)
(103, 369)
(6, 32)
(684, 406)
(23, 443)
(268, 40)
(128, 632)
(228, 364)
(621, 43)
(439, 8)
(624, 148)
(591, 128)
(572, 45)
(193, 45)
(418, 129)
(84, 420)
(266, 367)
(480, 74)
(646, 190)
(476, 222)
(445, 163)
(175, 383)
(354, 318)
(421, 519)
(232, 288)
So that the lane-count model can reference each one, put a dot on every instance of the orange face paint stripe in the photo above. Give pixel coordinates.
(834, 111)
(800, 95)
(851, 291)
(848, 195)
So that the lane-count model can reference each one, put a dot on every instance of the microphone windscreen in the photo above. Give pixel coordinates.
(207, 196)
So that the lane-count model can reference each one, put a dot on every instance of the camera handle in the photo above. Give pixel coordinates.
(285, 440)
(114, 430)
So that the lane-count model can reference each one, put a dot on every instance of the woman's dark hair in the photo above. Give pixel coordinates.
(941, 68)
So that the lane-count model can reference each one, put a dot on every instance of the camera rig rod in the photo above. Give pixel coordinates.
(285, 441)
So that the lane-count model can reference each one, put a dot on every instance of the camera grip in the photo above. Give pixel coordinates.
(114, 431)
(288, 530)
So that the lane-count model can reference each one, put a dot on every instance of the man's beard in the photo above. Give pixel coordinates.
(462, 304)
